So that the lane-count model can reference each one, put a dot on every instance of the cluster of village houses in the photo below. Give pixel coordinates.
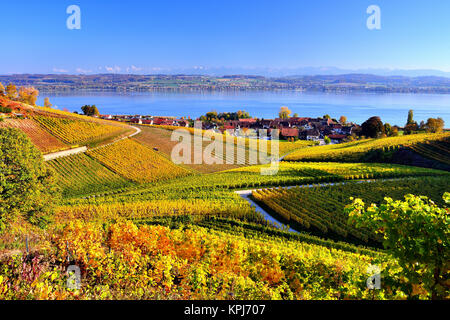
(312, 129)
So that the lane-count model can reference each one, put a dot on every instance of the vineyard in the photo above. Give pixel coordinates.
(438, 150)
(136, 162)
(154, 137)
(45, 142)
(289, 174)
(78, 132)
(79, 175)
(205, 205)
(357, 150)
(245, 142)
(194, 263)
(321, 208)
(142, 227)
(56, 113)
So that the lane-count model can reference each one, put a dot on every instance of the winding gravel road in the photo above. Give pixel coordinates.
(66, 153)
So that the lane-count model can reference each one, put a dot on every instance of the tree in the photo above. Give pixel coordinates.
(28, 95)
(284, 113)
(2, 90)
(372, 128)
(422, 125)
(11, 91)
(410, 117)
(211, 116)
(435, 125)
(343, 120)
(411, 128)
(90, 110)
(387, 129)
(295, 115)
(327, 116)
(27, 187)
(411, 125)
(241, 114)
(47, 103)
(394, 131)
(327, 140)
(416, 232)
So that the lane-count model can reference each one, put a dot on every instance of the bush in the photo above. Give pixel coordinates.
(416, 233)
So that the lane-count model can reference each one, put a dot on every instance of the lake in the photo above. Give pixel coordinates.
(392, 108)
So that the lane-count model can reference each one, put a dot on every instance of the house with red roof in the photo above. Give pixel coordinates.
(287, 133)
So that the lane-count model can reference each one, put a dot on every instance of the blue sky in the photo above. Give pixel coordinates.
(147, 36)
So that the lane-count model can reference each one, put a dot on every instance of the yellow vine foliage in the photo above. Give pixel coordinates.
(353, 150)
(77, 131)
(137, 162)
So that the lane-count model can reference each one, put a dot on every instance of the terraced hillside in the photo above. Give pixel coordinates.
(137, 162)
(79, 175)
(53, 130)
(79, 132)
(45, 142)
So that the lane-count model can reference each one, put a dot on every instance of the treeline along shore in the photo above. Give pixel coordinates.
(147, 83)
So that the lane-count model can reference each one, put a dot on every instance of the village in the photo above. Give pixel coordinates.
(321, 130)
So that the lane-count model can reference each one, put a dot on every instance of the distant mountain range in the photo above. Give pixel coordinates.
(303, 71)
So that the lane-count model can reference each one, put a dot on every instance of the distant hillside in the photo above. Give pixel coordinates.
(318, 83)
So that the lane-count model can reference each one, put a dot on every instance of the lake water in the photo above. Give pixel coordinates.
(392, 108)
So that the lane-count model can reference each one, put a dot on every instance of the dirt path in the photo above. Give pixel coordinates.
(247, 193)
(66, 153)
